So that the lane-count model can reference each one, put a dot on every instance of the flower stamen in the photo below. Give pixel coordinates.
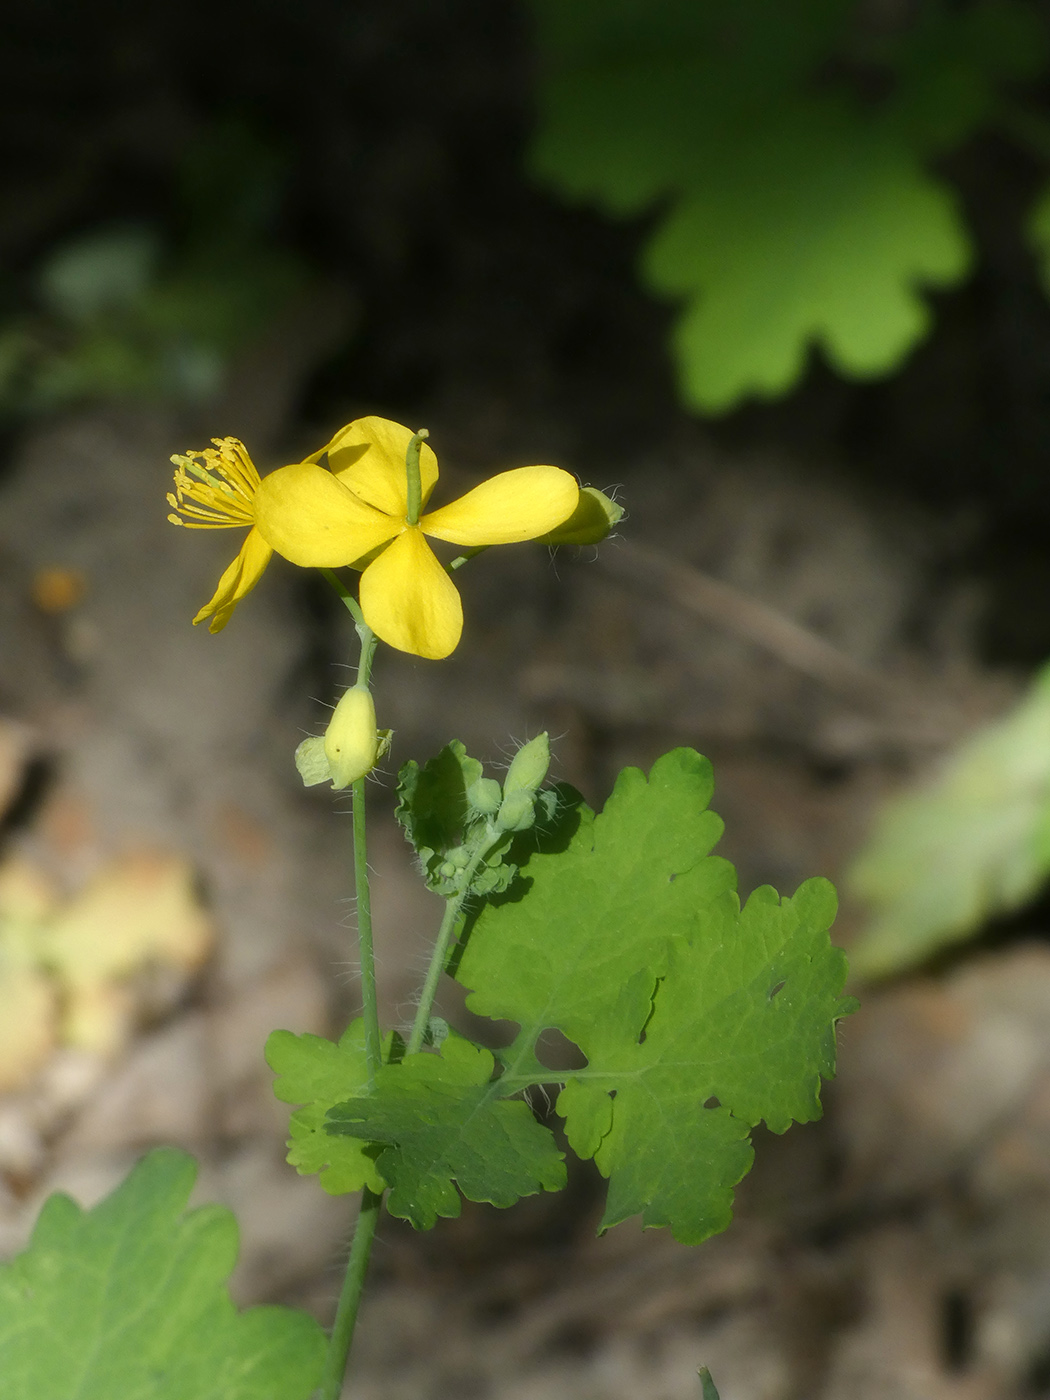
(215, 488)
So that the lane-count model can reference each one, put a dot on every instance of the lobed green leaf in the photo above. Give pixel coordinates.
(317, 1073)
(446, 1121)
(698, 1018)
(792, 209)
(128, 1301)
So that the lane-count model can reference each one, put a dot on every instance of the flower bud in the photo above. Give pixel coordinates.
(351, 741)
(529, 766)
(595, 516)
(485, 796)
(527, 771)
(517, 811)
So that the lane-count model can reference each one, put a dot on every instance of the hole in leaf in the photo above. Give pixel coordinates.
(773, 991)
(712, 1102)
(556, 1052)
(652, 1007)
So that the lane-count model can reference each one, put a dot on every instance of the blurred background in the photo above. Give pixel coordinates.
(776, 274)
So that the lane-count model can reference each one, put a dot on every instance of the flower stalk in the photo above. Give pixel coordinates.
(342, 1334)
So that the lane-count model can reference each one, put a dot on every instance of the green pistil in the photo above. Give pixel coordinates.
(415, 485)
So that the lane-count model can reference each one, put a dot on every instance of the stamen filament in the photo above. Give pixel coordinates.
(215, 488)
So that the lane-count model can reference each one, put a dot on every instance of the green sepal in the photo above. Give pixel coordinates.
(311, 761)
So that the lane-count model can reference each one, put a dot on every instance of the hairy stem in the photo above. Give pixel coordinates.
(439, 957)
(369, 999)
(437, 966)
(350, 1296)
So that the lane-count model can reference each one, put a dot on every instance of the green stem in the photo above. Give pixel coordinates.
(434, 971)
(369, 999)
(415, 485)
(350, 1296)
(439, 957)
(362, 889)
(371, 1204)
(368, 651)
(349, 601)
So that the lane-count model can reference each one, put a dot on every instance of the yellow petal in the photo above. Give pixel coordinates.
(240, 578)
(369, 457)
(409, 601)
(513, 506)
(312, 519)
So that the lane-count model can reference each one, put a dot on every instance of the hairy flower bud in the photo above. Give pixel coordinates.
(485, 796)
(351, 741)
(529, 766)
(527, 771)
(595, 516)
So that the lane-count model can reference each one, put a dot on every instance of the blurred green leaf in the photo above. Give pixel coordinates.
(950, 63)
(128, 1301)
(137, 312)
(101, 272)
(793, 209)
(1039, 236)
(971, 844)
(819, 230)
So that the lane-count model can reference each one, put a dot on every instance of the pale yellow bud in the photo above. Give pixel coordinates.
(351, 741)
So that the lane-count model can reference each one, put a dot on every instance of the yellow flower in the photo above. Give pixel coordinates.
(215, 489)
(355, 512)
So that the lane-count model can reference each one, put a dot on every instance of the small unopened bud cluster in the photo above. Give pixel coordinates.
(470, 847)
